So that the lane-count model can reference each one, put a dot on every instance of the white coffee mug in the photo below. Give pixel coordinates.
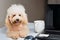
(39, 26)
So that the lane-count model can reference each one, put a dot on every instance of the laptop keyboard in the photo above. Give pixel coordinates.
(54, 36)
(50, 37)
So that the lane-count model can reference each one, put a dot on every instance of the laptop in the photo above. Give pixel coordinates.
(52, 23)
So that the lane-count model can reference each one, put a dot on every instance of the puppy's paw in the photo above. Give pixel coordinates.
(23, 34)
(13, 35)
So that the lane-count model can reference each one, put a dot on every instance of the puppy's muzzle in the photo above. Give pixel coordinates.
(17, 21)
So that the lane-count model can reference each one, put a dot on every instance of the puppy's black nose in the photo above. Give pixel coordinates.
(17, 19)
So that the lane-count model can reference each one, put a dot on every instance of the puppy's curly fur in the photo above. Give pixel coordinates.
(16, 21)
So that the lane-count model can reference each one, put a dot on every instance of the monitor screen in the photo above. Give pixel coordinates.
(56, 17)
(53, 17)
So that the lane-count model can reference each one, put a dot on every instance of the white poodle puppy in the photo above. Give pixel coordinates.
(16, 21)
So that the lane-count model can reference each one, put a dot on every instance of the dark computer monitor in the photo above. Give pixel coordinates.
(53, 17)
(56, 17)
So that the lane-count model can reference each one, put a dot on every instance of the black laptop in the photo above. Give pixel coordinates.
(52, 23)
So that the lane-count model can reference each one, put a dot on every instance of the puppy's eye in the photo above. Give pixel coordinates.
(19, 15)
(13, 15)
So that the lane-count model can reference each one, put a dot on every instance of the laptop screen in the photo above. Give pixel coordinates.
(53, 17)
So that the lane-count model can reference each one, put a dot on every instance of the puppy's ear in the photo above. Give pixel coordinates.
(25, 19)
(7, 22)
